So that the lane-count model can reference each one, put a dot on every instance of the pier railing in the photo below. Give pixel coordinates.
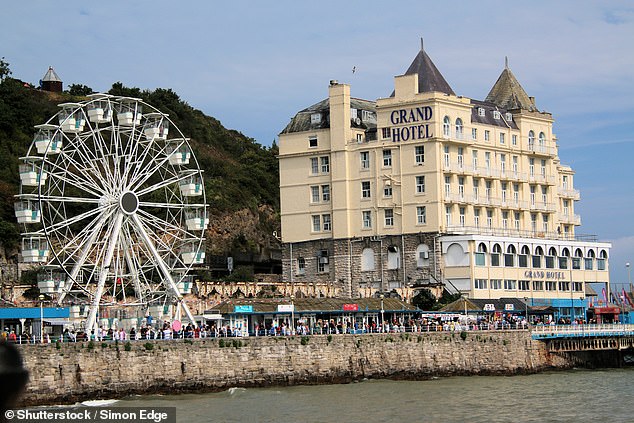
(581, 331)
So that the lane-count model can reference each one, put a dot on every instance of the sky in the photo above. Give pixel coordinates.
(254, 64)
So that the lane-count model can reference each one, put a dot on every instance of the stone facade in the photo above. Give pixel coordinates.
(79, 371)
(350, 273)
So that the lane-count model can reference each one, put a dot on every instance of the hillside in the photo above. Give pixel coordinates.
(241, 176)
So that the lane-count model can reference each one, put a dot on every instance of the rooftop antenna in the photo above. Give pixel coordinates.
(421, 44)
(506, 62)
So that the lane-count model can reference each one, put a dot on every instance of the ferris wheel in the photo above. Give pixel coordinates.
(113, 207)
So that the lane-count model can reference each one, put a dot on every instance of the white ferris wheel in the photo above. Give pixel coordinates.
(112, 206)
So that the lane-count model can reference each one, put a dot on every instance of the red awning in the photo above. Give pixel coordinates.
(607, 310)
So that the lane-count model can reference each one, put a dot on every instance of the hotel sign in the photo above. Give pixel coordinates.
(416, 123)
(285, 308)
(351, 307)
(243, 309)
(540, 274)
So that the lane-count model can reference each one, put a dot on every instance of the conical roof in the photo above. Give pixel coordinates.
(429, 77)
(51, 76)
(507, 93)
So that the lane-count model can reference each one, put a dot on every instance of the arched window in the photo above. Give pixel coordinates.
(563, 260)
(531, 139)
(480, 255)
(511, 249)
(482, 248)
(565, 252)
(459, 128)
(422, 256)
(522, 259)
(393, 258)
(552, 252)
(550, 258)
(446, 126)
(539, 251)
(542, 141)
(603, 254)
(537, 258)
(525, 250)
(601, 265)
(495, 255)
(591, 254)
(576, 260)
(367, 260)
(456, 256)
(589, 260)
(509, 257)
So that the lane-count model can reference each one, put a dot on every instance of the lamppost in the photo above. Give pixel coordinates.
(41, 297)
(382, 311)
(629, 275)
(292, 314)
(526, 309)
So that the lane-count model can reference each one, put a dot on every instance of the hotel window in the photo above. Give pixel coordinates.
(538, 285)
(314, 166)
(325, 193)
(486, 135)
(480, 111)
(327, 224)
(531, 140)
(550, 262)
(542, 142)
(476, 217)
(448, 215)
(531, 167)
(532, 187)
(461, 187)
(509, 257)
(487, 160)
(387, 191)
(301, 265)
(316, 223)
(505, 220)
(577, 286)
(588, 263)
(365, 189)
(480, 255)
(462, 217)
(496, 283)
(544, 194)
(474, 134)
(476, 186)
(460, 157)
(543, 168)
(359, 138)
(420, 184)
(510, 284)
(502, 139)
(515, 167)
(533, 222)
(566, 209)
(323, 262)
(474, 153)
(447, 186)
(314, 194)
(389, 217)
(601, 260)
(386, 133)
(325, 164)
(487, 190)
(522, 259)
(496, 114)
(509, 117)
(367, 219)
(480, 284)
(537, 258)
(420, 154)
(564, 286)
(495, 255)
(516, 194)
(387, 158)
(421, 215)
(514, 139)
(516, 221)
(446, 126)
(503, 163)
(315, 118)
(504, 191)
(576, 263)
(545, 223)
(524, 285)
(551, 286)
(446, 156)
(459, 127)
(312, 142)
(365, 159)
(564, 180)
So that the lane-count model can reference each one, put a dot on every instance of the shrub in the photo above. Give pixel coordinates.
(305, 340)
(127, 346)
(221, 343)
(149, 346)
(91, 345)
(329, 339)
(463, 335)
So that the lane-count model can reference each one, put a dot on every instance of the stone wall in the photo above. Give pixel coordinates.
(75, 372)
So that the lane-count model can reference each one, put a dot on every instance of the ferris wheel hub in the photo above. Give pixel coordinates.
(129, 202)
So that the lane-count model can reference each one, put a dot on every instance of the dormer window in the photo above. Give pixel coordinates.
(496, 114)
(315, 118)
(480, 111)
(509, 117)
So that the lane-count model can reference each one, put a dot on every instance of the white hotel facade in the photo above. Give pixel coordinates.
(427, 188)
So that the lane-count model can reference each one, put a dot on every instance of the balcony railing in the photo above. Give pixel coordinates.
(573, 219)
(482, 230)
(569, 193)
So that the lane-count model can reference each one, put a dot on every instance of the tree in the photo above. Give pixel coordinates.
(79, 90)
(4, 69)
(425, 300)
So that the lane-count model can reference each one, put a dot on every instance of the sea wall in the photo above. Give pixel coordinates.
(67, 373)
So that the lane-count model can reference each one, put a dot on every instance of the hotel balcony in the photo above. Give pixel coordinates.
(573, 219)
(573, 194)
(459, 137)
(543, 179)
(516, 233)
(542, 150)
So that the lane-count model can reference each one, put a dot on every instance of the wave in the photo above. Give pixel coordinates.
(235, 390)
(99, 403)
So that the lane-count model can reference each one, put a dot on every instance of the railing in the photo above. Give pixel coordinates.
(575, 331)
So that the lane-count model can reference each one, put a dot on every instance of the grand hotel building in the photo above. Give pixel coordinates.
(429, 188)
